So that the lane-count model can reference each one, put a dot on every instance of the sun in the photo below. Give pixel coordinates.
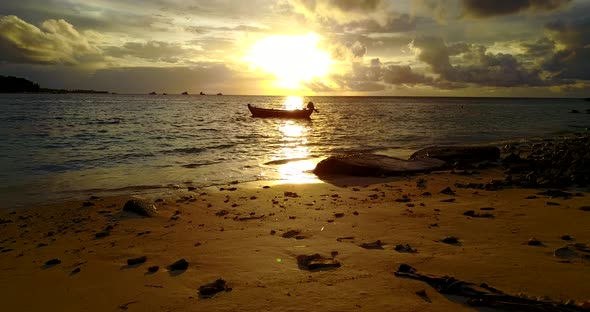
(291, 59)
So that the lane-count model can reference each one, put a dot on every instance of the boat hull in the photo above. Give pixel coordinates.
(279, 113)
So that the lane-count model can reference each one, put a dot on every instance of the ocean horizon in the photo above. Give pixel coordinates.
(68, 146)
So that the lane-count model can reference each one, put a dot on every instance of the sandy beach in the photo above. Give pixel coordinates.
(250, 235)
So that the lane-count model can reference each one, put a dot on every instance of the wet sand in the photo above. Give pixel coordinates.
(250, 235)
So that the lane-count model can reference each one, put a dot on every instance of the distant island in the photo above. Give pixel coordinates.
(10, 84)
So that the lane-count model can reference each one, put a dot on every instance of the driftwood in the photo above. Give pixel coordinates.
(483, 295)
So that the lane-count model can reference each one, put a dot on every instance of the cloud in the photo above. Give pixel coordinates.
(472, 64)
(55, 42)
(153, 51)
(341, 11)
(570, 61)
(479, 8)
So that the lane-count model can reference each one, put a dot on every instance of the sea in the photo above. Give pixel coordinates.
(56, 147)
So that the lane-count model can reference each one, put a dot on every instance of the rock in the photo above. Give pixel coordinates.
(316, 262)
(447, 191)
(575, 111)
(566, 237)
(374, 245)
(450, 240)
(573, 251)
(102, 234)
(138, 260)
(405, 248)
(75, 271)
(373, 165)
(53, 262)
(153, 269)
(210, 289)
(584, 208)
(460, 154)
(556, 194)
(290, 194)
(293, 233)
(87, 204)
(534, 242)
(181, 264)
(140, 207)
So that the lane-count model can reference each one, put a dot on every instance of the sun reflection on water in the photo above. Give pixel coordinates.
(294, 150)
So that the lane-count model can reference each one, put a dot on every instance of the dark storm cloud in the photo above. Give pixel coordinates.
(485, 8)
(474, 65)
(55, 42)
(570, 62)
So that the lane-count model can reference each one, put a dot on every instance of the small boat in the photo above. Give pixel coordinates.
(282, 113)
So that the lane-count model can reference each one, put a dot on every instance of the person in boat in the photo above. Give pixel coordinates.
(311, 107)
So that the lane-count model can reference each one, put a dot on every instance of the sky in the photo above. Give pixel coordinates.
(521, 48)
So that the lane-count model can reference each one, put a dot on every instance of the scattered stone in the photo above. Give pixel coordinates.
(191, 188)
(4, 221)
(316, 262)
(448, 200)
(291, 194)
(405, 248)
(339, 215)
(534, 242)
(426, 194)
(585, 208)
(87, 204)
(459, 154)
(531, 197)
(273, 232)
(39, 245)
(153, 269)
(552, 203)
(179, 265)
(140, 207)
(75, 271)
(450, 240)
(472, 213)
(138, 260)
(222, 213)
(567, 237)
(374, 245)
(209, 290)
(573, 251)
(556, 194)
(356, 213)
(293, 233)
(102, 234)
(53, 262)
(447, 191)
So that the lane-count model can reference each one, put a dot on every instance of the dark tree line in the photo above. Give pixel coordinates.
(9, 84)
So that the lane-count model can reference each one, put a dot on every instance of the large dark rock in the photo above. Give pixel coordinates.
(461, 154)
(371, 165)
(140, 207)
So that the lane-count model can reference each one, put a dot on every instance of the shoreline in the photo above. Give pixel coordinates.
(141, 190)
(251, 236)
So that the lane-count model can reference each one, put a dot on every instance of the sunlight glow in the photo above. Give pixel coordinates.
(292, 59)
(297, 170)
(293, 102)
